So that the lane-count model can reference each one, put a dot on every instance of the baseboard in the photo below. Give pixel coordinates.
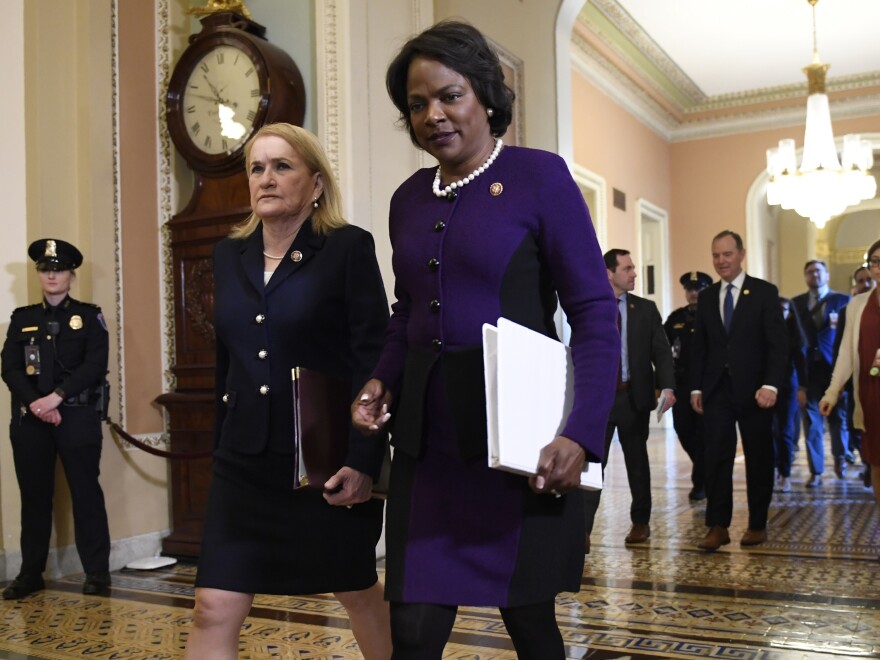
(65, 560)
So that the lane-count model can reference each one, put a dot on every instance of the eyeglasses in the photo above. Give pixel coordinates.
(874, 262)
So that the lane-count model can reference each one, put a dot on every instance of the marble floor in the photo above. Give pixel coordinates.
(811, 591)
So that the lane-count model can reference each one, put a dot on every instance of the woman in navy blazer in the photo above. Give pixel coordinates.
(295, 285)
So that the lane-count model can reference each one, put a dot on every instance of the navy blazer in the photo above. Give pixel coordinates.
(650, 357)
(754, 354)
(324, 308)
(820, 341)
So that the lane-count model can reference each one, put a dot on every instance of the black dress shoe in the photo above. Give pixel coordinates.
(697, 495)
(22, 586)
(97, 584)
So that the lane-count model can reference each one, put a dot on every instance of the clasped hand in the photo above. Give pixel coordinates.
(370, 409)
(46, 408)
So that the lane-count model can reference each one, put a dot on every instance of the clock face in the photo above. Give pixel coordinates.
(221, 99)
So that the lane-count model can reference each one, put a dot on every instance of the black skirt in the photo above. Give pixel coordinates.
(262, 536)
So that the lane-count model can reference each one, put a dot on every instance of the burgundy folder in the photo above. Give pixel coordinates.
(322, 422)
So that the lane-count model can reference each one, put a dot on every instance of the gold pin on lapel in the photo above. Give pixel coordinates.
(296, 255)
(746, 292)
(496, 189)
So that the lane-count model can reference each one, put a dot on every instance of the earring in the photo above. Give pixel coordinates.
(315, 202)
(490, 112)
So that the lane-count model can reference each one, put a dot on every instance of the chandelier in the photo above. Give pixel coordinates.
(821, 187)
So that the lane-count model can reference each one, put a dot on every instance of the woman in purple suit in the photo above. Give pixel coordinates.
(493, 231)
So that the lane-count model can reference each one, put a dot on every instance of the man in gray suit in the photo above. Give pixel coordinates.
(644, 349)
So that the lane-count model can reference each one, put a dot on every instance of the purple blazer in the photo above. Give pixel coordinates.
(467, 262)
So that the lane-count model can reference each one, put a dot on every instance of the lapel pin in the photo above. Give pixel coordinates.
(745, 292)
(496, 189)
(296, 255)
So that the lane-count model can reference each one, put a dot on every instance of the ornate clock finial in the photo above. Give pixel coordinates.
(219, 6)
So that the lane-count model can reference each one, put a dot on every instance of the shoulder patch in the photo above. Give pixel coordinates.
(101, 320)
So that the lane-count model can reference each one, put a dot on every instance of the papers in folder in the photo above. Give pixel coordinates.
(529, 394)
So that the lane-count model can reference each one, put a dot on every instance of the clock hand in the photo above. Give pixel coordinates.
(205, 97)
(214, 91)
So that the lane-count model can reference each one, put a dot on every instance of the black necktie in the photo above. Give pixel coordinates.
(818, 314)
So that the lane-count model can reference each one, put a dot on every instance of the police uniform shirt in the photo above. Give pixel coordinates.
(73, 346)
(680, 328)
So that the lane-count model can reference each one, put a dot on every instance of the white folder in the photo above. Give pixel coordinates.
(529, 394)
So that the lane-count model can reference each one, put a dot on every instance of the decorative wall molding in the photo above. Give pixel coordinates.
(602, 73)
(634, 33)
(332, 51)
(165, 191)
(749, 122)
(672, 82)
(643, 91)
(848, 255)
(327, 47)
(117, 212)
(599, 71)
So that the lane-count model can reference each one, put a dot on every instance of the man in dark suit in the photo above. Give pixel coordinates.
(737, 366)
(818, 310)
(644, 348)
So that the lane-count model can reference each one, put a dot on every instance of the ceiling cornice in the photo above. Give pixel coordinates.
(612, 51)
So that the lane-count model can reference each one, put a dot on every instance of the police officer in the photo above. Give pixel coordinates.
(688, 424)
(54, 362)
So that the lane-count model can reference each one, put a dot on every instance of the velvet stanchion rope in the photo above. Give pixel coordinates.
(152, 450)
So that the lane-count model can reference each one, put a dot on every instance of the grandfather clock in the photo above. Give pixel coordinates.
(228, 82)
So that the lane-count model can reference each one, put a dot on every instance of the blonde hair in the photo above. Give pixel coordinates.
(328, 215)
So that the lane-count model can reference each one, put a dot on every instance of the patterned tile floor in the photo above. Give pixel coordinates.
(812, 591)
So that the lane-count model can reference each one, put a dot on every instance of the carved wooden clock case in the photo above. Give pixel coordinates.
(228, 82)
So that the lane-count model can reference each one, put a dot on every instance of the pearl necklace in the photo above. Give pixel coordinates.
(269, 256)
(449, 192)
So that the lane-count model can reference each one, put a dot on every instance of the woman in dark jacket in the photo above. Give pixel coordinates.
(295, 286)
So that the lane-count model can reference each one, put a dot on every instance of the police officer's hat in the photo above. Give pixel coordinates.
(695, 280)
(55, 254)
